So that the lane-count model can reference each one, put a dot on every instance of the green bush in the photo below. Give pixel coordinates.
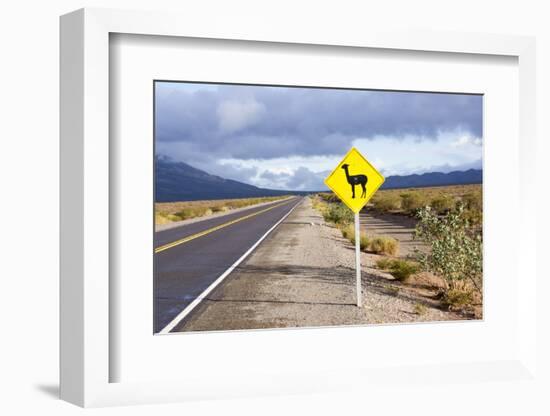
(412, 201)
(384, 245)
(456, 253)
(400, 269)
(338, 213)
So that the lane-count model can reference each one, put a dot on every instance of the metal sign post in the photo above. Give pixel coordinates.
(355, 181)
(358, 260)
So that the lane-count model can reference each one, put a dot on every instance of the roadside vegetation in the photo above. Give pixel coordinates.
(348, 232)
(448, 221)
(409, 201)
(441, 199)
(384, 245)
(167, 212)
(342, 217)
(456, 255)
(401, 270)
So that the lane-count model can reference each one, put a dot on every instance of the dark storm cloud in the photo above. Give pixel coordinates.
(245, 122)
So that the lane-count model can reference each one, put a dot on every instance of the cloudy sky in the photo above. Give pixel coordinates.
(291, 138)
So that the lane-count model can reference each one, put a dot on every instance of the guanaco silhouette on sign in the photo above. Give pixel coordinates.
(356, 180)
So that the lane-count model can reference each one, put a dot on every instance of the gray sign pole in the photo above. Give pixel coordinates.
(358, 259)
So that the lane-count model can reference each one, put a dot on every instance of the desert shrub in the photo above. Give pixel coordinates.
(412, 201)
(339, 214)
(364, 243)
(456, 299)
(400, 269)
(443, 203)
(384, 263)
(384, 245)
(456, 254)
(386, 202)
(193, 212)
(348, 232)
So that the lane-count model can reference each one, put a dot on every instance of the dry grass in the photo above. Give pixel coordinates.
(433, 192)
(458, 299)
(441, 198)
(348, 232)
(384, 245)
(166, 212)
(420, 309)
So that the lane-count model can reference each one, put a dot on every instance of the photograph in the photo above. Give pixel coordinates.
(263, 192)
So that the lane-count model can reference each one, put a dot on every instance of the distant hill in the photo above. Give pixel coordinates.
(434, 179)
(177, 181)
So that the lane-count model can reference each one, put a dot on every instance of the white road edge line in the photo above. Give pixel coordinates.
(216, 282)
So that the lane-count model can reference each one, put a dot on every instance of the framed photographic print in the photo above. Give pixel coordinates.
(247, 236)
(200, 235)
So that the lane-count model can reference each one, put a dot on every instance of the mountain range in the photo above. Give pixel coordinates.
(434, 179)
(178, 181)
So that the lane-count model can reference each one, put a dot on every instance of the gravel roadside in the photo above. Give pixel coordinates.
(303, 275)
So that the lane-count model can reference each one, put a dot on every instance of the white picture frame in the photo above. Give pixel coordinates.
(85, 211)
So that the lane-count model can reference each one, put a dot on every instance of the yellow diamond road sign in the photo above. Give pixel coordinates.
(354, 180)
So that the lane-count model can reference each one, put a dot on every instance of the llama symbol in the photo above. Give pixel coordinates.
(356, 180)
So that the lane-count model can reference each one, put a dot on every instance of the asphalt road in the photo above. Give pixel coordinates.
(188, 259)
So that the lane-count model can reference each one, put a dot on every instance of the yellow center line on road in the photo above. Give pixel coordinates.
(216, 228)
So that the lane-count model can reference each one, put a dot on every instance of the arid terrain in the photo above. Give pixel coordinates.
(303, 275)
